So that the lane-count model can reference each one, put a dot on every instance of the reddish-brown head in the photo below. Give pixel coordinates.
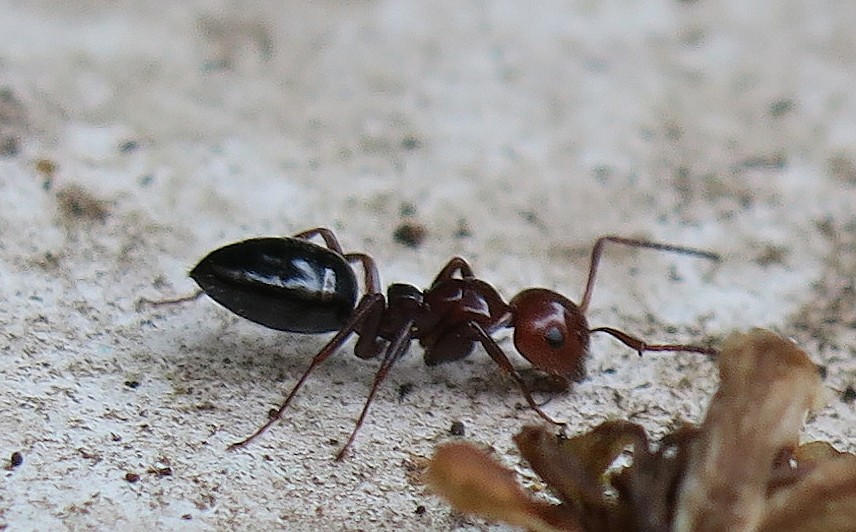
(550, 332)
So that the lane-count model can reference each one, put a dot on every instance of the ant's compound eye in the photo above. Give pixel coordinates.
(554, 337)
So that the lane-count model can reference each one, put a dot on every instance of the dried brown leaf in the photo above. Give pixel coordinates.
(648, 487)
(768, 385)
(565, 472)
(598, 448)
(816, 451)
(475, 483)
(823, 500)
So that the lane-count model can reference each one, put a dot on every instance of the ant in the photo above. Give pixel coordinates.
(293, 284)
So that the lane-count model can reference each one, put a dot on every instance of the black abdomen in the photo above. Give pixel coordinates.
(286, 284)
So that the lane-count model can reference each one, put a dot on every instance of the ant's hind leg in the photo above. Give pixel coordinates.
(371, 281)
(371, 278)
(394, 351)
(366, 307)
(329, 237)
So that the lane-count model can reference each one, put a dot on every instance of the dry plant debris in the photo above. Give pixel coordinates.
(742, 469)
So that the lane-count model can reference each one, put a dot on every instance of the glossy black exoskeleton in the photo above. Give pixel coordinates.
(292, 284)
(288, 284)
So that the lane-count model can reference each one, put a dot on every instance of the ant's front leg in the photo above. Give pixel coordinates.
(504, 364)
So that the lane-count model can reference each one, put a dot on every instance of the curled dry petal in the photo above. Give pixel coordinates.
(598, 448)
(647, 488)
(576, 469)
(565, 472)
(475, 483)
(816, 451)
(767, 387)
(823, 500)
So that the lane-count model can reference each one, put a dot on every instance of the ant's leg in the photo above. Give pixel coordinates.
(329, 239)
(499, 357)
(397, 347)
(368, 305)
(328, 236)
(597, 251)
(371, 279)
(455, 265)
(640, 346)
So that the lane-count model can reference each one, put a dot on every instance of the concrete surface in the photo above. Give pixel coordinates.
(136, 137)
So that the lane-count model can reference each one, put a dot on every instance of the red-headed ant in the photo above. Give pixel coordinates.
(292, 284)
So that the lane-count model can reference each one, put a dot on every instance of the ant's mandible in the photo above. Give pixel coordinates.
(292, 284)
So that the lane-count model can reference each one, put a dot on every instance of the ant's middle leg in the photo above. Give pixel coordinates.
(640, 346)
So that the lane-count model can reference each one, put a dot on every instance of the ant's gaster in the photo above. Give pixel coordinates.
(292, 284)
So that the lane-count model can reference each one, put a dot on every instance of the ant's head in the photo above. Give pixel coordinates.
(551, 332)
